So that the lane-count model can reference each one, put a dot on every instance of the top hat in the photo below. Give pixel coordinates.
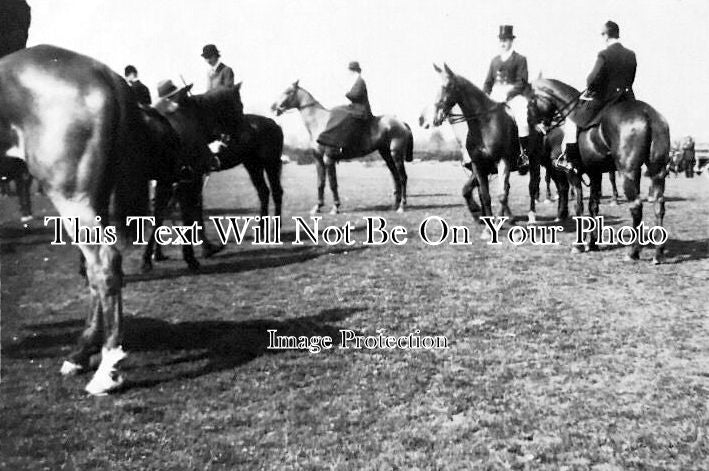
(167, 89)
(354, 65)
(210, 50)
(506, 32)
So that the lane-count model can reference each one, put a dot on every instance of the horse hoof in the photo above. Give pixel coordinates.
(576, 249)
(614, 203)
(656, 261)
(400, 210)
(531, 218)
(547, 201)
(631, 258)
(315, 209)
(70, 368)
(103, 383)
(146, 267)
(26, 219)
(557, 219)
(159, 257)
(335, 210)
(592, 248)
(485, 235)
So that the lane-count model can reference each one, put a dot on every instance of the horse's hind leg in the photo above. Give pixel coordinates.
(320, 169)
(398, 156)
(547, 180)
(105, 276)
(562, 190)
(658, 186)
(24, 182)
(273, 171)
(331, 170)
(257, 178)
(389, 160)
(594, 201)
(631, 187)
(611, 177)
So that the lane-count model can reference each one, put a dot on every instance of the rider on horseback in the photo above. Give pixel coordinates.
(506, 82)
(610, 81)
(347, 124)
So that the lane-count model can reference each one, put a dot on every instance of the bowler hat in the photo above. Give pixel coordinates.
(166, 89)
(210, 50)
(354, 65)
(506, 32)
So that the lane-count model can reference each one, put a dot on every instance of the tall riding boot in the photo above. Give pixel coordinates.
(523, 160)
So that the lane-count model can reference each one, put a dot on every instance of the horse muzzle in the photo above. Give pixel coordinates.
(278, 109)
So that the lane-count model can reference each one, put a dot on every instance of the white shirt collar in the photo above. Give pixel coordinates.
(612, 41)
(506, 54)
(216, 66)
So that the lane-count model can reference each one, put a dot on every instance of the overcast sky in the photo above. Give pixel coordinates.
(270, 43)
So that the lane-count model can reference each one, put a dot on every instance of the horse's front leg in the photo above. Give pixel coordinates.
(331, 170)
(562, 190)
(484, 194)
(535, 178)
(503, 174)
(163, 193)
(399, 156)
(188, 197)
(594, 201)
(468, 191)
(24, 183)
(320, 169)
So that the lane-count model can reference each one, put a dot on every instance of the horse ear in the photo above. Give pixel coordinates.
(437, 69)
(540, 76)
(448, 70)
(296, 83)
(238, 86)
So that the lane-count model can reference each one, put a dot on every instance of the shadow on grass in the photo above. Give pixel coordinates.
(679, 251)
(164, 351)
(248, 260)
(409, 207)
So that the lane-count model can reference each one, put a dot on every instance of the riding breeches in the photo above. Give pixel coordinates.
(518, 107)
(570, 132)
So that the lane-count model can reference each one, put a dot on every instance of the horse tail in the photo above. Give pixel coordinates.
(658, 140)
(409, 157)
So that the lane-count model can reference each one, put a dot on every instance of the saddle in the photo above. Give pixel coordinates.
(588, 114)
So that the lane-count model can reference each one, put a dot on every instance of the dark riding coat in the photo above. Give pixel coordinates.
(513, 72)
(360, 99)
(140, 92)
(613, 74)
(610, 81)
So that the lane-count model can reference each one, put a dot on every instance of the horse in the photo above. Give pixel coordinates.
(630, 134)
(491, 140)
(387, 134)
(258, 144)
(12, 168)
(80, 131)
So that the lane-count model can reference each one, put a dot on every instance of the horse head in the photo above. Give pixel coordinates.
(288, 100)
(448, 95)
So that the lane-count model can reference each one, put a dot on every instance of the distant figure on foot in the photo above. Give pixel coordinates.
(140, 91)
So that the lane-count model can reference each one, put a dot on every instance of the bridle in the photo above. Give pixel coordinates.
(455, 118)
(282, 109)
(560, 113)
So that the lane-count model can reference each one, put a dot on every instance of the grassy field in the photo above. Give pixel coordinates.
(556, 361)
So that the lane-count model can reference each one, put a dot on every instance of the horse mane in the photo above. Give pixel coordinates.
(470, 88)
(556, 88)
(315, 100)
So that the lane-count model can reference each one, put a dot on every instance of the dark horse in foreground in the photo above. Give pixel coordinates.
(388, 135)
(84, 139)
(630, 134)
(491, 142)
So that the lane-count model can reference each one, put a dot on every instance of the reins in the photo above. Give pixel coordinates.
(562, 113)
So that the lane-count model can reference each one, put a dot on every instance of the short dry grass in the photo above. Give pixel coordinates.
(557, 361)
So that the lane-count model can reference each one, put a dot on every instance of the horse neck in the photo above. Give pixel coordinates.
(313, 113)
(473, 101)
(563, 94)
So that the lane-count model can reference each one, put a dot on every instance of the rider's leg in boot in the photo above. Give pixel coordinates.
(523, 160)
